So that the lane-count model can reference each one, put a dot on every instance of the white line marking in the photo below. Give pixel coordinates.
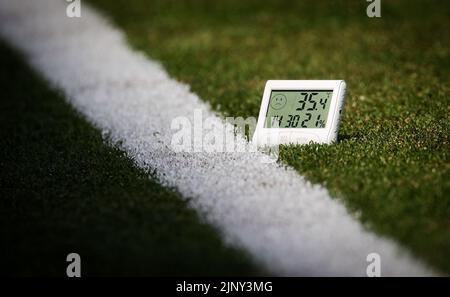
(289, 225)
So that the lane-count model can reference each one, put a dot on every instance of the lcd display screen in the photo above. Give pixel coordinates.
(298, 109)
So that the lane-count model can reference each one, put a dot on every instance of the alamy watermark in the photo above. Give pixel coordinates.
(374, 9)
(74, 267)
(211, 134)
(374, 267)
(73, 9)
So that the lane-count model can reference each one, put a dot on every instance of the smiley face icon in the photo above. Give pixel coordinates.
(278, 101)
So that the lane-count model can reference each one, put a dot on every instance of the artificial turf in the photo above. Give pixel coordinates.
(63, 190)
(391, 164)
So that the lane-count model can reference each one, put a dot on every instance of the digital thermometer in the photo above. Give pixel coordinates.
(300, 112)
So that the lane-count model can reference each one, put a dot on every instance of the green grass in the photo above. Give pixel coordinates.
(63, 190)
(391, 165)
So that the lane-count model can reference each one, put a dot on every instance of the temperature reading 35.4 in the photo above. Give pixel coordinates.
(298, 109)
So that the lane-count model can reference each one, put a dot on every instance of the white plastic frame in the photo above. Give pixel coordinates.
(275, 136)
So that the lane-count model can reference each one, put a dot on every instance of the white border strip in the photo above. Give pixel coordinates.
(289, 225)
